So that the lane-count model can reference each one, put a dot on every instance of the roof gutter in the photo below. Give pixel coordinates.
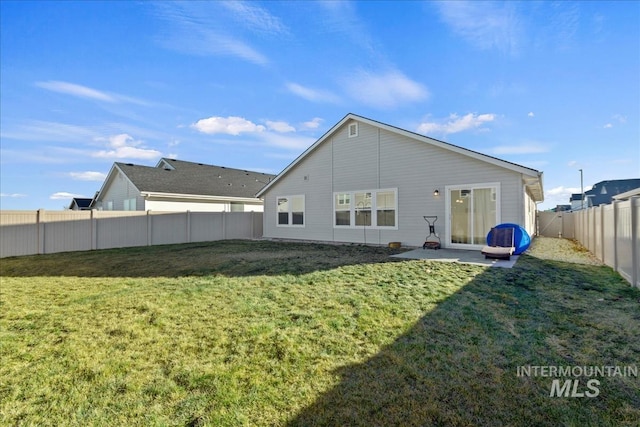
(153, 195)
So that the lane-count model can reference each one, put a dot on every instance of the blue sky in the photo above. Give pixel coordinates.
(550, 85)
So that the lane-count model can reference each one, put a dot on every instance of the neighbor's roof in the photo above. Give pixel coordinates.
(80, 202)
(604, 191)
(176, 177)
(627, 194)
(533, 180)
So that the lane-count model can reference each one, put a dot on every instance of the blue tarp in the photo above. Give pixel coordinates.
(521, 239)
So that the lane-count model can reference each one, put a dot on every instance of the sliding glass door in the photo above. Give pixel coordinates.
(472, 211)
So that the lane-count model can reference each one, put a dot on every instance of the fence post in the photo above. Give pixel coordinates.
(188, 227)
(40, 226)
(149, 228)
(224, 225)
(592, 217)
(616, 211)
(585, 228)
(602, 236)
(634, 203)
(94, 230)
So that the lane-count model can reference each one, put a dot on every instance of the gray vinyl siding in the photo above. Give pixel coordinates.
(318, 198)
(379, 159)
(118, 190)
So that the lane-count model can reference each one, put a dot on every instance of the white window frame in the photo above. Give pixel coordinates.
(373, 209)
(496, 186)
(130, 204)
(352, 126)
(290, 211)
(342, 207)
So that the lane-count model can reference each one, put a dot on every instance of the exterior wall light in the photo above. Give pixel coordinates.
(436, 192)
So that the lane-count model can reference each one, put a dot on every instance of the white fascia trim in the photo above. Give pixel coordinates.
(110, 178)
(151, 195)
(628, 194)
(304, 154)
(534, 184)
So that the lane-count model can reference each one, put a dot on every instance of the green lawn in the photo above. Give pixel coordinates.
(263, 333)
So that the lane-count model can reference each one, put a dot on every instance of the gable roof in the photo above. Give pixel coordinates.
(179, 177)
(533, 179)
(81, 202)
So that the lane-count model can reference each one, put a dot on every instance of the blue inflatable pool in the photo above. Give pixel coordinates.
(521, 238)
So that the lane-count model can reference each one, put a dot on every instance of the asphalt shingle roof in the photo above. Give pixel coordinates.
(195, 178)
(603, 192)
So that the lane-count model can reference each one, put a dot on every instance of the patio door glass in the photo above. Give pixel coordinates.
(473, 211)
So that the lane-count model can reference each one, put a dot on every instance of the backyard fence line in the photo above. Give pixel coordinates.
(45, 232)
(611, 232)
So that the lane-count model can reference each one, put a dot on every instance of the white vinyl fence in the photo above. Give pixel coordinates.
(45, 232)
(610, 232)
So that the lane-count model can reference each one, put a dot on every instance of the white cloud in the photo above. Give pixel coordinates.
(49, 131)
(561, 190)
(88, 176)
(123, 146)
(208, 28)
(62, 195)
(87, 92)
(13, 195)
(231, 125)
(531, 114)
(341, 18)
(572, 163)
(282, 127)
(255, 18)
(620, 118)
(560, 195)
(387, 90)
(455, 124)
(608, 126)
(76, 90)
(486, 25)
(313, 123)
(288, 142)
(562, 24)
(532, 148)
(313, 95)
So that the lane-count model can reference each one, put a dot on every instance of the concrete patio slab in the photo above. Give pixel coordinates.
(457, 255)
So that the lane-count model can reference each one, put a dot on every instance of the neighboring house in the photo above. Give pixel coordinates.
(177, 185)
(627, 194)
(369, 182)
(576, 202)
(603, 193)
(80, 204)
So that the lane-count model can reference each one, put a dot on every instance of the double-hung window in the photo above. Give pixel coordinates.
(363, 206)
(386, 208)
(290, 211)
(342, 208)
(367, 208)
